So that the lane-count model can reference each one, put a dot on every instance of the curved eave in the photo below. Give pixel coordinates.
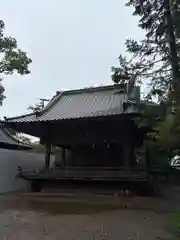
(8, 141)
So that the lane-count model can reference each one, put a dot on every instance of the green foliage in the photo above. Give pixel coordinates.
(150, 63)
(173, 224)
(150, 60)
(13, 60)
(166, 131)
(167, 136)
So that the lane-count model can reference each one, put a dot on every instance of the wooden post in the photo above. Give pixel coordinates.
(63, 156)
(47, 155)
(126, 154)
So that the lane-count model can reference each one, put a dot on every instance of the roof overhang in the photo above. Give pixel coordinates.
(8, 141)
(84, 130)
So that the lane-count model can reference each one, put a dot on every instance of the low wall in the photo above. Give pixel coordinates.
(10, 160)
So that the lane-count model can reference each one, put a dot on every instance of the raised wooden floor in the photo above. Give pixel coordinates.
(89, 174)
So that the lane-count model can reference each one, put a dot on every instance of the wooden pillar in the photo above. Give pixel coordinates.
(47, 155)
(126, 155)
(63, 157)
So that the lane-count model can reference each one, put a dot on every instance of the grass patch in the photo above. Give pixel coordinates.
(173, 225)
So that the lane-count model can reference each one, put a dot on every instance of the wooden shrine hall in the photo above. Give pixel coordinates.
(95, 129)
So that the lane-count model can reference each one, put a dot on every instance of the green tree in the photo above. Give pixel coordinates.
(151, 63)
(13, 60)
(150, 60)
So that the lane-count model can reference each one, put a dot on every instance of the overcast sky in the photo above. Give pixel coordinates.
(72, 43)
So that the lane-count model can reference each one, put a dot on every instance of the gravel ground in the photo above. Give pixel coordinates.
(36, 218)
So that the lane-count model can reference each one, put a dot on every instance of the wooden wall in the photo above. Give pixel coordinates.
(93, 156)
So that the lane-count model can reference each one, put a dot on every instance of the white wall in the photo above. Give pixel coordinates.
(9, 162)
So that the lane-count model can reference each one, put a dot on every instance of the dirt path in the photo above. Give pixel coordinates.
(18, 221)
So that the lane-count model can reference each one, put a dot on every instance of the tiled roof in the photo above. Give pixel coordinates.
(73, 104)
(9, 142)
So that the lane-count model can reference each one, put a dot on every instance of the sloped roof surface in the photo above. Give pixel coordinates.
(90, 102)
(10, 142)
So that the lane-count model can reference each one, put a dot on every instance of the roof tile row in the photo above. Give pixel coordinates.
(84, 103)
